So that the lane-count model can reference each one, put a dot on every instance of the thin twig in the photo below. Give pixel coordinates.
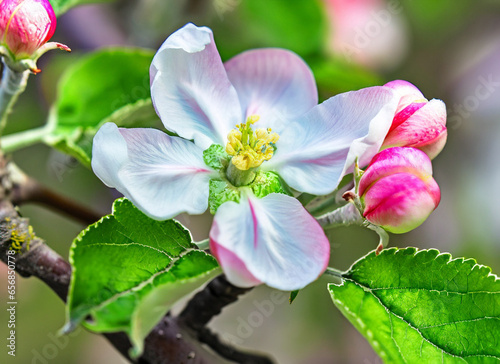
(26, 189)
(226, 351)
(334, 272)
(343, 216)
(209, 303)
(39, 261)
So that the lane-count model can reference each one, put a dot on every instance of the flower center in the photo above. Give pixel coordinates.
(249, 148)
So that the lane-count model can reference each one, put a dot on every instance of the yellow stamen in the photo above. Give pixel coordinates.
(249, 148)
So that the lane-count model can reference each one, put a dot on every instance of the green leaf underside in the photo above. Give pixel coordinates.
(128, 270)
(109, 85)
(61, 6)
(422, 307)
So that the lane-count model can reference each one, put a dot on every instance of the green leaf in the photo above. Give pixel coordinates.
(110, 85)
(335, 76)
(423, 307)
(129, 269)
(291, 24)
(61, 6)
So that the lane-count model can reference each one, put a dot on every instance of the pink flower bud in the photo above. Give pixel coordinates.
(398, 190)
(25, 25)
(418, 123)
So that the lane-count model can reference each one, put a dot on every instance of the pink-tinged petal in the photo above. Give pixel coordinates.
(404, 114)
(424, 129)
(407, 92)
(234, 268)
(162, 175)
(275, 84)
(435, 146)
(277, 241)
(190, 88)
(404, 88)
(316, 150)
(401, 202)
(396, 160)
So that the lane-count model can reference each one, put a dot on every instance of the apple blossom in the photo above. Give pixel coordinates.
(417, 123)
(221, 160)
(397, 189)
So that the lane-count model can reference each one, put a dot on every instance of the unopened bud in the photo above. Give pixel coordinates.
(397, 189)
(418, 123)
(26, 25)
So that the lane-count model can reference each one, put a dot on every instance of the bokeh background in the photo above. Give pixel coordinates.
(450, 49)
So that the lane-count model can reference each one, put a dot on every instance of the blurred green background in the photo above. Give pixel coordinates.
(449, 49)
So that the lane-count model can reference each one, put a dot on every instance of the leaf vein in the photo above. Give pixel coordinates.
(368, 289)
(127, 244)
(459, 321)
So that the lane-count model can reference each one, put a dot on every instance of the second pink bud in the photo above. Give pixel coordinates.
(398, 190)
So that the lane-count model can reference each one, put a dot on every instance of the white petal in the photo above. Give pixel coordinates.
(275, 238)
(162, 175)
(316, 150)
(190, 88)
(109, 154)
(275, 84)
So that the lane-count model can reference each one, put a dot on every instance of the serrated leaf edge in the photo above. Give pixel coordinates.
(71, 324)
(406, 322)
(362, 326)
(416, 251)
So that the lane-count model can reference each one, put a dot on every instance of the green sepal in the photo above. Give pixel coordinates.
(264, 183)
(268, 182)
(220, 192)
(216, 157)
(293, 296)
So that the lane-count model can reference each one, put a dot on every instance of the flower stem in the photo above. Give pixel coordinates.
(334, 272)
(24, 139)
(346, 215)
(12, 85)
(384, 237)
